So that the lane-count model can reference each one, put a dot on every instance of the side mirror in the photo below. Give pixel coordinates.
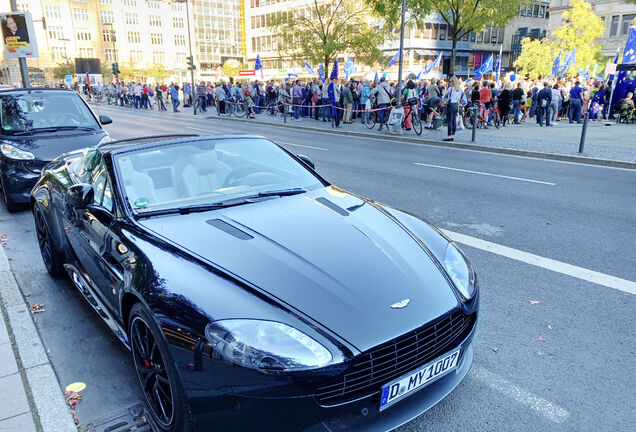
(105, 120)
(80, 196)
(307, 161)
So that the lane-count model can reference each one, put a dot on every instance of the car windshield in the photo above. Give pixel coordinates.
(20, 113)
(209, 173)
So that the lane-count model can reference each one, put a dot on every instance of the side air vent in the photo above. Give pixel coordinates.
(231, 230)
(332, 206)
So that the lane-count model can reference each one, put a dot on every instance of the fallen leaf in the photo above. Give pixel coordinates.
(542, 339)
(495, 350)
(533, 302)
(36, 308)
(4, 240)
(548, 223)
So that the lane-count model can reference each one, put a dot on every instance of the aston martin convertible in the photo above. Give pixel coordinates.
(252, 293)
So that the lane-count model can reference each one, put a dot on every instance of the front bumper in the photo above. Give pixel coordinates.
(19, 177)
(220, 409)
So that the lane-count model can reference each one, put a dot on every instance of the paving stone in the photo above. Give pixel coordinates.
(13, 400)
(8, 366)
(22, 423)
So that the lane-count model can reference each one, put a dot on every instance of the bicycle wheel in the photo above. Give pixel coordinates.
(240, 110)
(416, 123)
(497, 119)
(229, 108)
(370, 120)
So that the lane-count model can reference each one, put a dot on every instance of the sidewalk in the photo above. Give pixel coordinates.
(613, 145)
(30, 396)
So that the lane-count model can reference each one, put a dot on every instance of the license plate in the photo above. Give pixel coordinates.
(409, 383)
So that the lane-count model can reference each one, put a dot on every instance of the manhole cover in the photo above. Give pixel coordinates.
(131, 419)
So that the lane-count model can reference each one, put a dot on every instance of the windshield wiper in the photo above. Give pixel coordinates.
(222, 204)
(53, 129)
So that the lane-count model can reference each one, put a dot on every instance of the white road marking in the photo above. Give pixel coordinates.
(546, 408)
(299, 145)
(204, 130)
(606, 280)
(486, 174)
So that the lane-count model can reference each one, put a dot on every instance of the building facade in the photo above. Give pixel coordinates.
(617, 15)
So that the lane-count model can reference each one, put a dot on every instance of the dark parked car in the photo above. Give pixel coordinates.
(36, 126)
(253, 294)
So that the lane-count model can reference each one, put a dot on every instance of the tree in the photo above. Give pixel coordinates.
(157, 71)
(461, 16)
(60, 71)
(536, 58)
(580, 29)
(107, 72)
(325, 29)
(128, 72)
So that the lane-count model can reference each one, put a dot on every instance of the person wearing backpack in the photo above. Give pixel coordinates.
(544, 100)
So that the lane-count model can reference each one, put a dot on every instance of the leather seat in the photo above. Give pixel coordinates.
(204, 174)
(138, 185)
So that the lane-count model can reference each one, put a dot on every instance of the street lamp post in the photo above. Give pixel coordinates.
(399, 84)
(191, 62)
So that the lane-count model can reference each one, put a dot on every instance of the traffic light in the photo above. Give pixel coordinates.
(190, 60)
(115, 68)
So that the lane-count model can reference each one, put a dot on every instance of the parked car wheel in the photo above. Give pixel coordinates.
(51, 258)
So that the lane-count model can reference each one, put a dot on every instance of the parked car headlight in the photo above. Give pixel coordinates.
(15, 153)
(460, 271)
(266, 345)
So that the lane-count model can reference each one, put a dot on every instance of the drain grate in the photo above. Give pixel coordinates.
(131, 419)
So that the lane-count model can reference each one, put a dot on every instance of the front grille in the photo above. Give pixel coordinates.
(370, 370)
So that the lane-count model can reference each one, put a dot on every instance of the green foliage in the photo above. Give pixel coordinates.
(60, 71)
(580, 29)
(325, 29)
(536, 58)
(156, 71)
(107, 73)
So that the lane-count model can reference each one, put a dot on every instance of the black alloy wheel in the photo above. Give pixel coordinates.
(11, 206)
(51, 259)
(157, 374)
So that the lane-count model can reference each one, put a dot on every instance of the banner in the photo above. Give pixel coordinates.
(349, 68)
(18, 36)
(395, 58)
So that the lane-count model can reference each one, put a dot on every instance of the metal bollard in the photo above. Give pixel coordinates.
(583, 132)
(284, 112)
(474, 137)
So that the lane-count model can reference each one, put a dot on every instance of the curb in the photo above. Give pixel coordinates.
(38, 376)
(425, 142)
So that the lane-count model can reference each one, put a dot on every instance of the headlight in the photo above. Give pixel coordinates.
(266, 345)
(459, 271)
(15, 153)
(105, 140)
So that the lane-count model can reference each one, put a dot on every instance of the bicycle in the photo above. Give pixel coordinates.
(484, 116)
(416, 123)
(272, 108)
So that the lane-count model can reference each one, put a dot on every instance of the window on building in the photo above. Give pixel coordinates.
(156, 38)
(494, 32)
(106, 17)
(136, 56)
(500, 36)
(480, 37)
(80, 1)
(627, 20)
(84, 35)
(58, 53)
(105, 2)
(472, 36)
(53, 11)
(179, 40)
(133, 37)
(614, 26)
(180, 58)
(111, 55)
(535, 12)
(154, 20)
(153, 4)
(159, 57)
(80, 14)
(177, 7)
(435, 28)
(109, 36)
(131, 3)
(442, 32)
(177, 23)
(487, 35)
(522, 11)
(22, 6)
(56, 32)
(87, 52)
(542, 12)
(132, 18)
(466, 36)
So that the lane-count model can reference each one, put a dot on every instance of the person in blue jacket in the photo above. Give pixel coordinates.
(334, 98)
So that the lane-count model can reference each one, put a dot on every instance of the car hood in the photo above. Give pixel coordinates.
(47, 147)
(339, 259)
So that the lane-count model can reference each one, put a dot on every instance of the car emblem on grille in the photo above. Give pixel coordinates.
(401, 304)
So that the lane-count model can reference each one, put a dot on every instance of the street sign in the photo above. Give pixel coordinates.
(610, 69)
(69, 78)
(247, 72)
(18, 36)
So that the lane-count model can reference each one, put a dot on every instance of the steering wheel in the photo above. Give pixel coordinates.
(238, 173)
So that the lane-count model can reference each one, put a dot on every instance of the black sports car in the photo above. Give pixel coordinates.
(252, 293)
(37, 125)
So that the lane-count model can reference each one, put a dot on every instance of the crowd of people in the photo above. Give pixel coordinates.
(345, 101)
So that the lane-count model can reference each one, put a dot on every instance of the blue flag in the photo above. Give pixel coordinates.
(570, 60)
(418, 75)
(485, 68)
(626, 79)
(334, 71)
(258, 65)
(587, 72)
(321, 72)
(611, 77)
(557, 64)
(395, 58)
(376, 79)
(310, 71)
(498, 68)
(349, 68)
(433, 65)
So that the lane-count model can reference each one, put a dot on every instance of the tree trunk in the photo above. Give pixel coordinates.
(451, 67)
(326, 69)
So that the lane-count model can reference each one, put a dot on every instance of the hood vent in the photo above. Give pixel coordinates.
(231, 230)
(332, 206)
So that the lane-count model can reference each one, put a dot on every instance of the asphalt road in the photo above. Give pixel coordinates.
(582, 377)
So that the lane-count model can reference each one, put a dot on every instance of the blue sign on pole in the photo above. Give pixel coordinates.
(69, 78)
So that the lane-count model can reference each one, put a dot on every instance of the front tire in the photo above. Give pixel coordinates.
(51, 258)
(12, 206)
(165, 402)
